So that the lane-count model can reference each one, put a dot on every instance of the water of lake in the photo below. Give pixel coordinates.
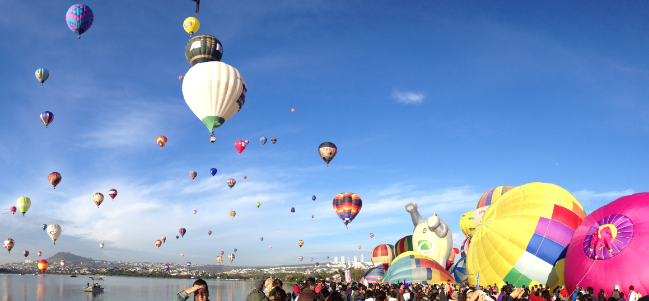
(54, 287)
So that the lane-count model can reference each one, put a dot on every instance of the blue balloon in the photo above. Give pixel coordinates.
(213, 171)
(44, 226)
(79, 18)
(189, 263)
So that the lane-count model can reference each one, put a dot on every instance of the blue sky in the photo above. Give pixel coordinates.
(427, 101)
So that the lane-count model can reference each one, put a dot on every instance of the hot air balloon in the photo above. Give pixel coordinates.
(23, 204)
(182, 232)
(164, 239)
(240, 146)
(214, 91)
(327, 151)
(300, 243)
(312, 216)
(192, 174)
(487, 199)
(112, 193)
(244, 177)
(231, 183)
(327, 257)
(79, 18)
(62, 263)
(13, 209)
(375, 274)
(271, 246)
(42, 75)
(213, 171)
(177, 237)
(43, 226)
(189, 263)
(246, 141)
(467, 223)
(464, 248)
(25, 253)
(609, 247)
(359, 247)
(263, 140)
(273, 140)
(54, 178)
(9, 244)
(258, 204)
(292, 110)
(202, 49)
(232, 213)
(101, 246)
(47, 117)
(371, 235)
(262, 239)
(300, 258)
(235, 250)
(458, 270)
(209, 232)
(403, 245)
(195, 211)
(317, 264)
(313, 197)
(166, 267)
(412, 267)
(40, 253)
(347, 205)
(182, 254)
(536, 222)
(161, 141)
(180, 78)
(42, 265)
(219, 259)
(383, 254)
(191, 25)
(311, 258)
(222, 252)
(98, 198)
(54, 231)
(231, 257)
(293, 209)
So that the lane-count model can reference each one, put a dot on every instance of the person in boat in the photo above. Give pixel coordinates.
(201, 293)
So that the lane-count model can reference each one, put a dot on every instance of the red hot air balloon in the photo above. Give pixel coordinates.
(244, 177)
(40, 253)
(12, 209)
(240, 145)
(180, 77)
(54, 178)
(42, 265)
(112, 193)
(182, 232)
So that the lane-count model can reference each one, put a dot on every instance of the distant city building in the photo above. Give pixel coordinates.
(355, 258)
(362, 259)
(336, 259)
(28, 261)
(342, 259)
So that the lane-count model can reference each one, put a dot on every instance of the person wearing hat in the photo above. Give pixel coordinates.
(616, 292)
(257, 293)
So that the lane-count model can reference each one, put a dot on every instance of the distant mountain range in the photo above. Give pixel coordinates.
(70, 258)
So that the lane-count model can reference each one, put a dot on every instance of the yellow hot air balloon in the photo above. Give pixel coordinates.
(98, 198)
(214, 91)
(467, 224)
(191, 25)
(182, 254)
(300, 243)
(219, 259)
(158, 243)
(359, 247)
(54, 231)
(523, 237)
(271, 246)
(23, 204)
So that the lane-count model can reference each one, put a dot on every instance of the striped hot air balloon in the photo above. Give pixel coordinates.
(375, 274)
(403, 245)
(231, 183)
(54, 178)
(23, 204)
(25, 253)
(182, 232)
(231, 257)
(203, 48)
(300, 243)
(161, 141)
(42, 75)
(383, 254)
(47, 117)
(487, 199)
(412, 267)
(347, 206)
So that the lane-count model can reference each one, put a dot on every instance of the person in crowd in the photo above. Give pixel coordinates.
(406, 294)
(296, 291)
(356, 293)
(633, 296)
(621, 297)
(322, 295)
(277, 285)
(343, 292)
(319, 286)
(616, 292)
(200, 291)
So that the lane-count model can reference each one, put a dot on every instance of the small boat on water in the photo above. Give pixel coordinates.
(95, 284)
(73, 275)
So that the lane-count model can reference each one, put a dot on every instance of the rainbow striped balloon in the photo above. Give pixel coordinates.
(347, 206)
(79, 18)
(403, 245)
(375, 274)
(54, 178)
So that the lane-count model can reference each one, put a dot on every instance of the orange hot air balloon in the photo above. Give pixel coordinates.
(292, 110)
(232, 213)
(42, 265)
(158, 243)
(209, 232)
(161, 141)
(40, 253)
(311, 258)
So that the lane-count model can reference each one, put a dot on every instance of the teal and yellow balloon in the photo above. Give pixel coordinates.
(23, 204)
(42, 75)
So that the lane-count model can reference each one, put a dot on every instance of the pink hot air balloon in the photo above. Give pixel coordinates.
(240, 145)
(12, 209)
(180, 77)
(609, 246)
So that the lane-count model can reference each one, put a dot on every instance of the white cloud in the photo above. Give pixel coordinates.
(408, 97)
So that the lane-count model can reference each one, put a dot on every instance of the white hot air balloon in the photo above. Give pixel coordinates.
(54, 231)
(214, 91)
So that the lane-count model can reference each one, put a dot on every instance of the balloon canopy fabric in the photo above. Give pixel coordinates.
(192, 174)
(79, 18)
(383, 255)
(263, 140)
(347, 206)
(203, 48)
(9, 244)
(54, 231)
(42, 265)
(523, 237)
(375, 274)
(403, 245)
(327, 151)
(98, 198)
(23, 204)
(231, 257)
(213, 171)
(42, 75)
(610, 246)
(464, 249)
(467, 223)
(413, 267)
(112, 193)
(54, 178)
(214, 91)
(191, 25)
(182, 232)
(488, 199)
(239, 145)
(47, 117)
(161, 141)
(458, 270)
(231, 183)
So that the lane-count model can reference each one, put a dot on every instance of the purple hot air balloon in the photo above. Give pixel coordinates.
(79, 18)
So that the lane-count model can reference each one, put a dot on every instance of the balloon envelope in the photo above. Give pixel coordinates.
(47, 117)
(383, 254)
(203, 48)
(609, 246)
(375, 274)
(54, 231)
(42, 265)
(112, 193)
(487, 199)
(54, 178)
(347, 205)
(403, 245)
(413, 267)
(192, 174)
(191, 25)
(467, 223)
(458, 270)
(42, 75)
(23, 204)
(182, 232)
(98, 198)
(327, 151)
(161, 141)
(79, 18)
(213, 171)
(523, 237)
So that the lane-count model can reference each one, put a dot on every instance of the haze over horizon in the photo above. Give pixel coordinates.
(433, 103)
